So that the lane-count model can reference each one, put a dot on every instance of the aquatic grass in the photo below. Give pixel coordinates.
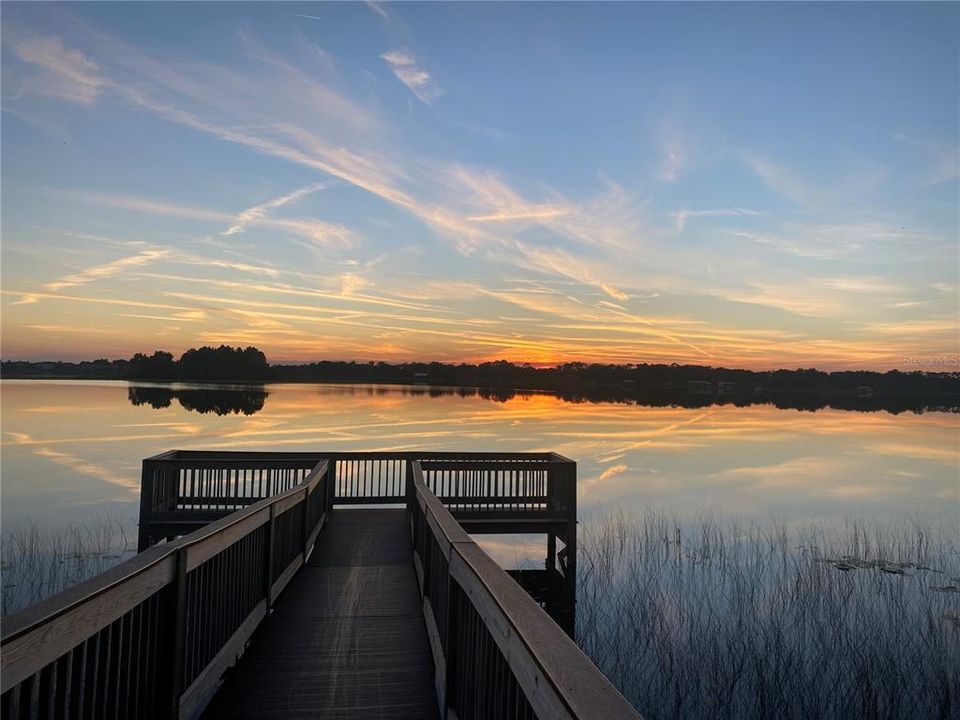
(37, 564)
(720, 619)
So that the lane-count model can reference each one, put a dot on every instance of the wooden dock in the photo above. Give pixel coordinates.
(269, 586)
(347, 639)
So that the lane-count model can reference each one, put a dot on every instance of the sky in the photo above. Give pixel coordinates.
(757, 185)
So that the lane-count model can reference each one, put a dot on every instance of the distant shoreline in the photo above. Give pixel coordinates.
(159, 393)
(640, 383)
(412, 383)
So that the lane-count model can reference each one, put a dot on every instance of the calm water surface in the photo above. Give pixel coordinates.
(72, 449)
(765, 497)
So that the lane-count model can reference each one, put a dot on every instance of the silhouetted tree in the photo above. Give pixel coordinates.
(159, 366)
(224, 363)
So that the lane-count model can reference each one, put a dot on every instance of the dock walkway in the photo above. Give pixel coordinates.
(347, 638)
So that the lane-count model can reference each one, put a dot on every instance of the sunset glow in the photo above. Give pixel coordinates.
(745, 185)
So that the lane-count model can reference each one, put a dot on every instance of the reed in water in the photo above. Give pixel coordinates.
(725, 620)
(37, 564)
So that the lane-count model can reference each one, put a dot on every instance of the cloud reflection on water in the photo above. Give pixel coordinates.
(756, 461)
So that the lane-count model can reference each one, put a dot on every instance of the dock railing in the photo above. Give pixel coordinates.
(486, 492)
(497, 653)
(185, 489)
(151, 637)
(182, 490)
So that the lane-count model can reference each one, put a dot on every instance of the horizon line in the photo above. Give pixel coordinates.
(937, 363)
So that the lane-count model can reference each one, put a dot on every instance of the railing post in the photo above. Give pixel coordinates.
(171, 479)
(146, 505)
(327, 483)
(408, 486)
(551, 486)
(179, 639)
(450, 651)
(570, 577)
(331, 482)
(306, 521)
(268, 570)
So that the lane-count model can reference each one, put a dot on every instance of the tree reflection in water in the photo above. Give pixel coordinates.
(248, 400)
(219, 400)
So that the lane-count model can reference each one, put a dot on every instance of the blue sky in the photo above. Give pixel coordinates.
(761, 185)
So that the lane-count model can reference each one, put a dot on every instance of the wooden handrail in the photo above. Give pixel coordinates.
(182, 488)
(484, 464)
(555, 677)
(144, 600)
(256, 455)
(16, 624)
(174, 659)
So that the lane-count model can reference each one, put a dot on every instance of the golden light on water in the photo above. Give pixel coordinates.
(755, 460)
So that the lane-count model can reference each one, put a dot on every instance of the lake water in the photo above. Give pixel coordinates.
(72, 449)
(826, 543)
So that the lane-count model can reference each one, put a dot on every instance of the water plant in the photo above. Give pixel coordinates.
(37, 563)
(721, 619)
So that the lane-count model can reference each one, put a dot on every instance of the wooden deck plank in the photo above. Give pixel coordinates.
(366, 537)
(347, 638)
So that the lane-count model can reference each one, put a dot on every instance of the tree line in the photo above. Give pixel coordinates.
(574, 376)
(229, 364)
(205, 364)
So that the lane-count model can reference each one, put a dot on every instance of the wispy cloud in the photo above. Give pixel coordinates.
(672, 162)
(831, 241)
(681, 216)
(861, 284)
(148, 205)
(258, 212)
(807, 194)
(165, 91)
(418, 80)
(352, 283)
(675, 148)
(77, 329)
(545, 212)
(313, 229)
(61, 72)
(783, 182)
(97, 300)
(614, 292)
(99, 272)
(946, 327)
(239, 266)
(380, 9)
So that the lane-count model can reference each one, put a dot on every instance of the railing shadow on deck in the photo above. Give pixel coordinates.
(152, 637)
